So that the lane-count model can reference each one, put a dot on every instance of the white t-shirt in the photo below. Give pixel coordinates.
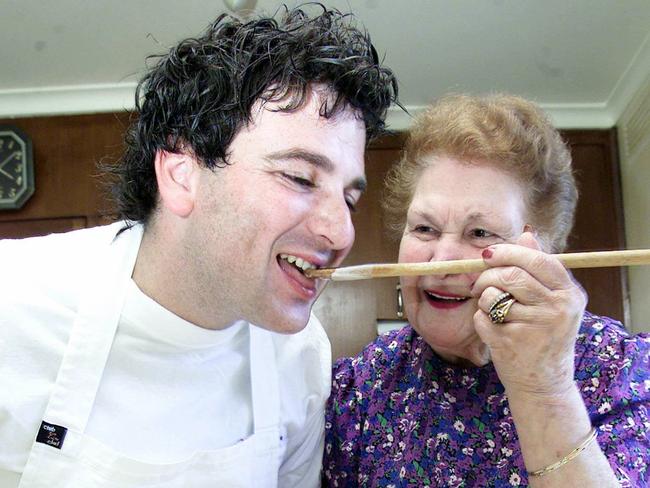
(169, 387)
(168, 381)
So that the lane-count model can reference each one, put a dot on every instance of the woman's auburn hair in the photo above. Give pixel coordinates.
(504, 131)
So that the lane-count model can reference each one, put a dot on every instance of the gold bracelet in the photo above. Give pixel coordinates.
(568, 457)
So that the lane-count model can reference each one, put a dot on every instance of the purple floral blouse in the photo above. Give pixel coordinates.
(400, 416)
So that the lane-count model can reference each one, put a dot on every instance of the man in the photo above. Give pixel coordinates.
(176, 348)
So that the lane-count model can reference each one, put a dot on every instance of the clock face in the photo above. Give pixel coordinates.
(16, 168)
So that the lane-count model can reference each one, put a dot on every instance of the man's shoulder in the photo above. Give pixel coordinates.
(55, 252)
(52, 269)
(306, 356)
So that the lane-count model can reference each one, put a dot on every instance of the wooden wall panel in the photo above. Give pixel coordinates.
(66, 152)
(17, 229)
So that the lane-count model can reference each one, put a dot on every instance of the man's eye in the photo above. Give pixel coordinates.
(299, 180)
(352, 205)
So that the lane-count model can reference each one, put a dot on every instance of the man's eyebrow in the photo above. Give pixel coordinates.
(312, 158)
(315, 159)
(360, 184)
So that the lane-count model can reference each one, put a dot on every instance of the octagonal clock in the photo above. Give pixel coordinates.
(16, 167)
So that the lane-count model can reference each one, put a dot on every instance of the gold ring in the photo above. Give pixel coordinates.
(500, 297)
(500, 307)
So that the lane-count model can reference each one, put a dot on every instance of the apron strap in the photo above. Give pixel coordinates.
(82, 366)
(265, 390)
(265, 394)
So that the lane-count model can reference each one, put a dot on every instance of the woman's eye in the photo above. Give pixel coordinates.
(481, 233)
(423, 229)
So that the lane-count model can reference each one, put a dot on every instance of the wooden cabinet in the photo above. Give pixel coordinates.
(68, 196)
(599, 223)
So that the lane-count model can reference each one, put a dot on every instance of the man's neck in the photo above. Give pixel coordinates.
(160, 274)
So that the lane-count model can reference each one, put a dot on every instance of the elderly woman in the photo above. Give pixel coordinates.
(501, 378)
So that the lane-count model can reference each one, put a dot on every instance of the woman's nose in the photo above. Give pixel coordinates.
(447, 248)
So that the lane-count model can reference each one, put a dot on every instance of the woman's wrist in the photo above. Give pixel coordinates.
(566, 459)
(550, 429)
(560, 395)
(544, 410)
(551, 421)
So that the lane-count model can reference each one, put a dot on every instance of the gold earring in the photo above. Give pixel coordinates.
(400, 301)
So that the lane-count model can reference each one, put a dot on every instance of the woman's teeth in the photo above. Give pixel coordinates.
(439, 297)
(299, 263)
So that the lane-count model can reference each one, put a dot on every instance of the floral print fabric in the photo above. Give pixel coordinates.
(400, 416)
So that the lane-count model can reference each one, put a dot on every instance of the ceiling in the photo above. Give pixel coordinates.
(582, 60)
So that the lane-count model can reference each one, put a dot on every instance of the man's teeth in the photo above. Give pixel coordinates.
(439, 297)
(298, 262)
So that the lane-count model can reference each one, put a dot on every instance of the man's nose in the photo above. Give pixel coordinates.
(332, 222)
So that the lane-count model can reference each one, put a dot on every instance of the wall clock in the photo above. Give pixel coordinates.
(16, 167)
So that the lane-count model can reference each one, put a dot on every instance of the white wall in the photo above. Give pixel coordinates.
(634, 142)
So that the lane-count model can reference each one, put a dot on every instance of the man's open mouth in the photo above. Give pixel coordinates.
(298, 263)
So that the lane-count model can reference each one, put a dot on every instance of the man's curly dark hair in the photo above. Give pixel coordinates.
(199, 94)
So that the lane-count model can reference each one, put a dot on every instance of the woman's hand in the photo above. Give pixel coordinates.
(533, 349)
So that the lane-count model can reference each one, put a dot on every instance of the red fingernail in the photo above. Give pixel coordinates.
(487, 253)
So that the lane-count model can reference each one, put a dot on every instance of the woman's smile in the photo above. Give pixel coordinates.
(444, 300)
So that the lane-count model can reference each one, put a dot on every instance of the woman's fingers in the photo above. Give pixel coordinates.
(495, 298)
(558, 308)
(545, 268)
(530, 339)
(531, 276)
(517, 281)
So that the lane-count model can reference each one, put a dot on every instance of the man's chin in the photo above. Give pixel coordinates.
(285, 323)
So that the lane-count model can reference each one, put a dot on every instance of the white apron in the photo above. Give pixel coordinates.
(62, 456)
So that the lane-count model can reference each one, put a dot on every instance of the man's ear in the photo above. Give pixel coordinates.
(175, 174)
